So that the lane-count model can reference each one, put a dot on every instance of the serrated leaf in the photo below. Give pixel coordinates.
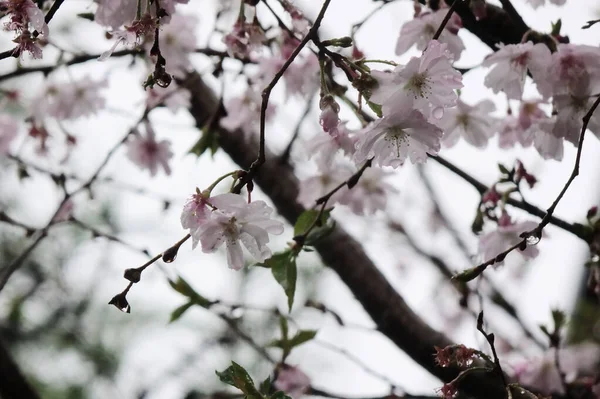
(503, 169)
(181, 286)
(283, 267)
(177, 313)
(235, 375)
(208, 140)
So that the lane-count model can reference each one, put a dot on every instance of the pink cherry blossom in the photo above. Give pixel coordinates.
(244, 38)
(234, 221)
(23, 13)
(535, 123)
(115, 13)
(25, 42)
(148, 153)
(301, 77)
(173, 97)
(510, 65)
(510, 132)
(505, 236)
(177, 41)
(421, 30)
(323, 148)
(541, 374)
(426, 83)
(473, 123)
(572, 68)
(370, 194)
(244, 112)
(195, 212)
(329, 176)
(67, 100)
(329, 118)
(396, 137)
(292, 381)
(9, 129)
(571, 109)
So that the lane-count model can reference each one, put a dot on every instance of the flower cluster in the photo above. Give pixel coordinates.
(23, 14)
(228, 218)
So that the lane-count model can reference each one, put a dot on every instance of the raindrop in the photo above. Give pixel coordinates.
(533, 239)
(438, 112)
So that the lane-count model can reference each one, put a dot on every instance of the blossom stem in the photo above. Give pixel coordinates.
(219, 180)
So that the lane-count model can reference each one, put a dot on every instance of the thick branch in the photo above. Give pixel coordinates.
(342, 253)
(13, 384)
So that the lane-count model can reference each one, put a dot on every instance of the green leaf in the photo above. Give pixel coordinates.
(181, 286)
(318, 234)
(375, 108)
(208, 140)
(283, 267)
(177, 313)
(503, 169)
(235, 375)
(265, 386)
(307, 218)
(280, 395)
(301, 337)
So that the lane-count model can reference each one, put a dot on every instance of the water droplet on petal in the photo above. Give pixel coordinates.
(438, 112)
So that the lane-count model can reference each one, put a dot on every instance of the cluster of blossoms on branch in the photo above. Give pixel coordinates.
(230, 219)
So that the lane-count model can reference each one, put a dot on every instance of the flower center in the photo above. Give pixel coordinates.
(396, 137)
(419, 85)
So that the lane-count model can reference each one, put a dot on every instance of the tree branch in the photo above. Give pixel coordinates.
(342, 253)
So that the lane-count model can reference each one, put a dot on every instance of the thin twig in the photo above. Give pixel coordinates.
(267, 93)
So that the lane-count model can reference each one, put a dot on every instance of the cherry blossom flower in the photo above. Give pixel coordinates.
(510, 132)
(535, 123)
(292, 381)
(177, 41)
(244, 112)
(23, 13)
(25, 42)
(148, 153)
(510, 64)
(538, 3)
(195, 212)
(542, 375)
(329, 176)
(370, 193)
(173, 97)
(571, 68)
(301, 77)
(329, 118)
(397, 136)
(169, 7)
(115, 13)
(9, 129)
(70, 100)
(235, 221)
(571, 109)
(505, 236)
(473, 123)
(421, 30)
(323, 148)
(244, 38)
(426, 83)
